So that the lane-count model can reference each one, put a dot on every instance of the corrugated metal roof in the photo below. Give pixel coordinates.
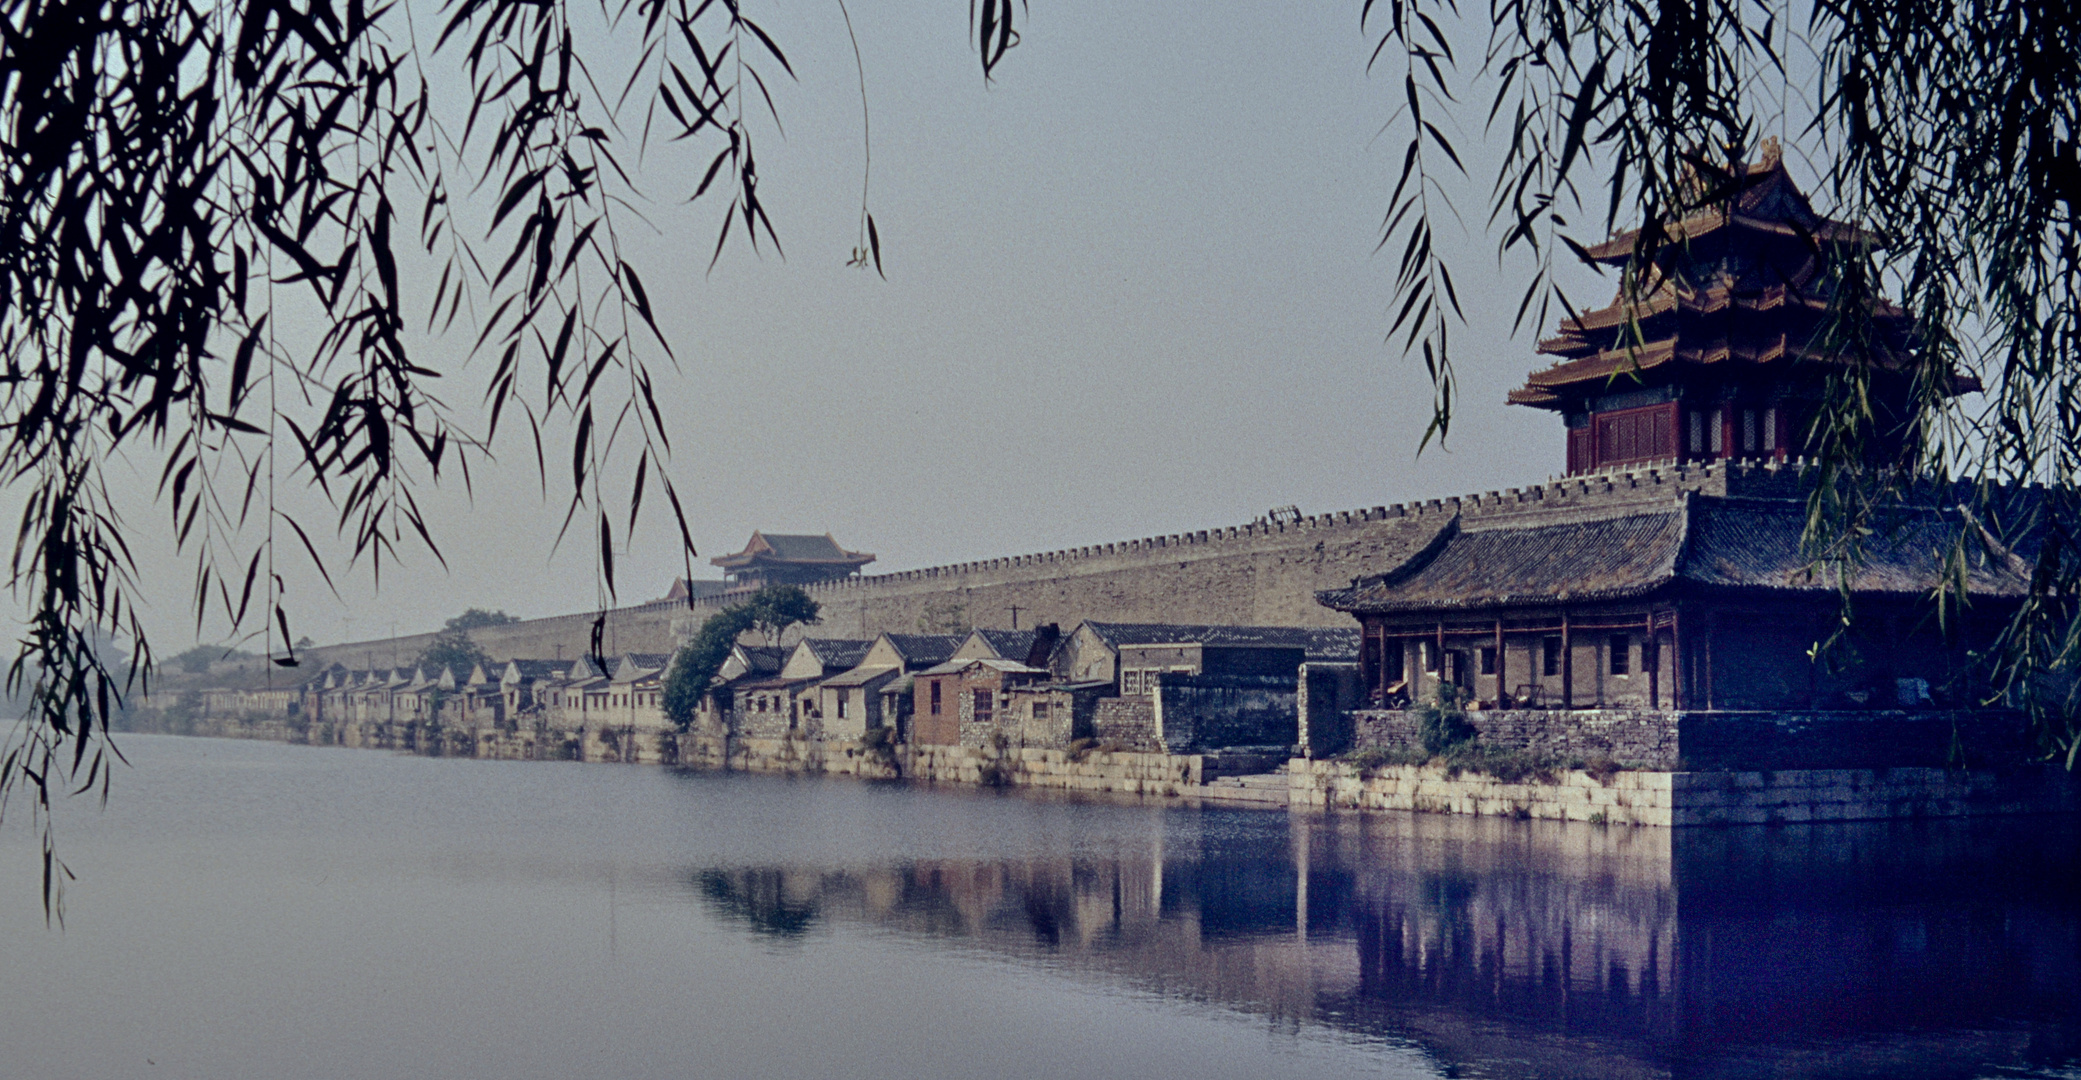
(859, 676)
(1012, 666)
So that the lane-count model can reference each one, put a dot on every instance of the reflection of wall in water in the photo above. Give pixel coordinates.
(1569, 950)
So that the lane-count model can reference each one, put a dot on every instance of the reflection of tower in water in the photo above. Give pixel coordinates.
(1587, 951)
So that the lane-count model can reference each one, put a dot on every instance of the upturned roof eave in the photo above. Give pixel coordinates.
(1489, 603)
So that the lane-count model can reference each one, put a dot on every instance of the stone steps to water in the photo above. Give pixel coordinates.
(1256, 789)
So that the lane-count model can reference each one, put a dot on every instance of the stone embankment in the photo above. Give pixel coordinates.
(1626, 797)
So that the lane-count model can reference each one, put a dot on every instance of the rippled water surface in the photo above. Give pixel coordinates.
(260, 910)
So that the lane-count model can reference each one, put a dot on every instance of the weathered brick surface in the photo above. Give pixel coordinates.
(1694, 798)
(1702, 741)
(1127, 721)
(1207, 712)
(1641, 737)
(1837, 740)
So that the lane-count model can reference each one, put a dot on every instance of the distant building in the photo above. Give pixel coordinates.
(790, 560)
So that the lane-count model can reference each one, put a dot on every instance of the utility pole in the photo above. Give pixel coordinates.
(1015, 616)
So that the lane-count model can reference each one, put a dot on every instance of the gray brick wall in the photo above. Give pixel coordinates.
(1243, 575)
(1696, 741)
(1128, 721)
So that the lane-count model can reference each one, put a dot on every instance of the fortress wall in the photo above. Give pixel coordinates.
(1259, 574)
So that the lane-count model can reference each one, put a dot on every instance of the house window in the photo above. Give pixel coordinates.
(1748, 431)
(1040, 710)
(935, 697)
(1621, 654)
(1697, 432)
(1488, 660)
(841, 705)
(1551, 662)
(1718, 432)
(1429, 649)
(984, 701)
(1770, 429)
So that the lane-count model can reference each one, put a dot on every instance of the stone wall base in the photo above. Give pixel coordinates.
(1790, 796)
(1692, 798)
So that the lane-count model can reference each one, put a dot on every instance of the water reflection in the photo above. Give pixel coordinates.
(1534, 949)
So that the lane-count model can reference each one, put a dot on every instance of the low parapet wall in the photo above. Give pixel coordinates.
(1698, 741)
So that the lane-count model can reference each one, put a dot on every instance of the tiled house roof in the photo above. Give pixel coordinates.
(924, 650)
(765, 659)
(838, 652)
(1010, 644)
(1321, 643)
(1699, 540)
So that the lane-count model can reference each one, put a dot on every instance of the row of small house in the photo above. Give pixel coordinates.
(1140, 686)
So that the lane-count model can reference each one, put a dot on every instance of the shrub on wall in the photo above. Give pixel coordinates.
(1441, 725)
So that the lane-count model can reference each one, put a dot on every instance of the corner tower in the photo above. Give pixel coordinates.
(1718, 355)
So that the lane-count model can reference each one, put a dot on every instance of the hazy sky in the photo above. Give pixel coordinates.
(1132, 289)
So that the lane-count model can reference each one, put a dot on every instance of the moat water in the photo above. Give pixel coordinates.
(261, 910)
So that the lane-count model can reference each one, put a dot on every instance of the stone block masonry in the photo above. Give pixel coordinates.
(1791, 797)
(1701, 741)
(1647, 798)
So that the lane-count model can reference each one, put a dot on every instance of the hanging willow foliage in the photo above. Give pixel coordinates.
(179, 177)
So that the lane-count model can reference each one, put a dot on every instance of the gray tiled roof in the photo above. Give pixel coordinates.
(1701, 540)
(926, 649)
(838, 652)
(1319, 642)
(765, 659)
(803, 548)
(1010, 644)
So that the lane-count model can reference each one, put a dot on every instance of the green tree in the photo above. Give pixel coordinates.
(775, 608)
(454, 650)
(478, 617)
(695, 665)
(769, 611)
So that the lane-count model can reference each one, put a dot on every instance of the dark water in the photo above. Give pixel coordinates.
(258, 910)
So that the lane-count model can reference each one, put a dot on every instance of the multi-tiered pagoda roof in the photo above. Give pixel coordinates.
(1712, 354)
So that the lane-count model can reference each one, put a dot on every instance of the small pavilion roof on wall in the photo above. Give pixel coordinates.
(795, 549)
(1740, 285)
